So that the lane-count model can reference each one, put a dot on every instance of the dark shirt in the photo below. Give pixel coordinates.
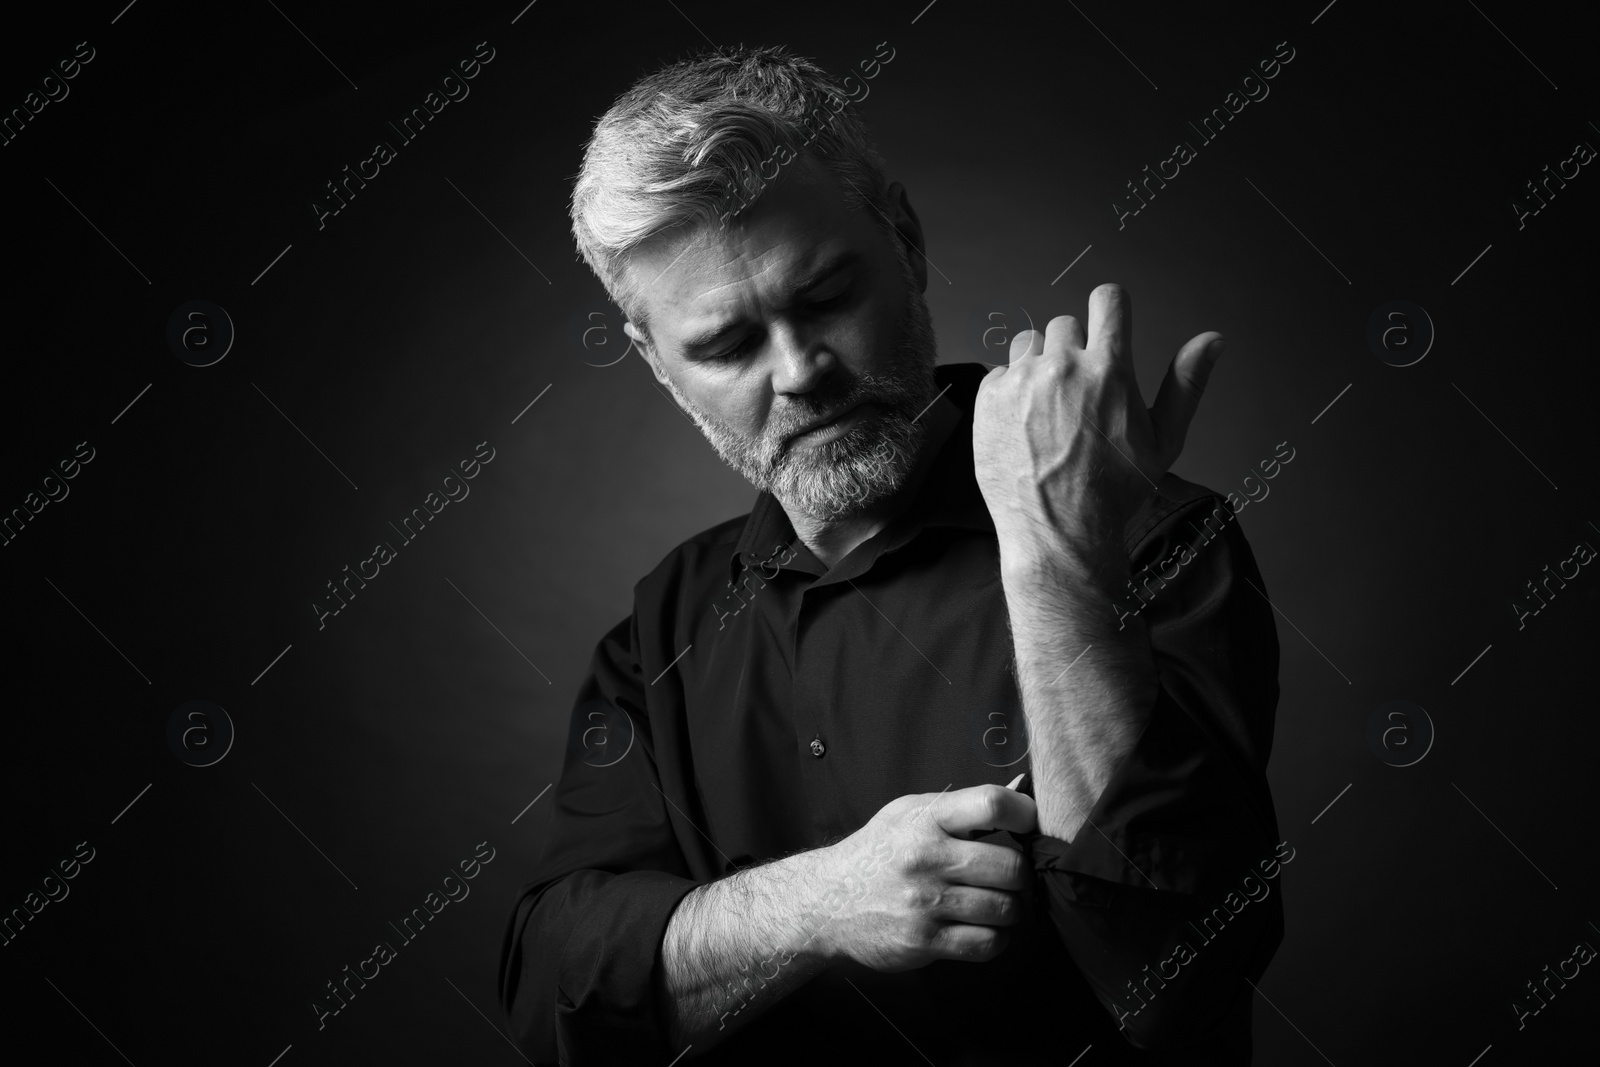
(756, 703)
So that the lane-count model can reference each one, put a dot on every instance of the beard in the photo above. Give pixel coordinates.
(871, 460)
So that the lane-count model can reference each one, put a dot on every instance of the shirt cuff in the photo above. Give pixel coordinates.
(606, 1007)
(1089, 868)
(1155, 824)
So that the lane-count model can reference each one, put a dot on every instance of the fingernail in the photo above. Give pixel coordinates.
(1215, 347)
(1017, 780)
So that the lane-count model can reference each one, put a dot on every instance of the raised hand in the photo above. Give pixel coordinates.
(1063, 446)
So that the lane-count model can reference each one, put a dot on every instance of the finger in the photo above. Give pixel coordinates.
(1027, 343)
(984, 807)
(1111, 320)
(973, 944)
(1179, 395)
(1063, 334)
(1009, 785)
(982, 863)
(979, 906)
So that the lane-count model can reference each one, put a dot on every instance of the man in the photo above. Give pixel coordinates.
(774, 838)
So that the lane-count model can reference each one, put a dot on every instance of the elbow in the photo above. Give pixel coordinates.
(527, 1001)
(531, 1025)
(1211, 1000)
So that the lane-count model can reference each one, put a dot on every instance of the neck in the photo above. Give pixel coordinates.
(830, 540)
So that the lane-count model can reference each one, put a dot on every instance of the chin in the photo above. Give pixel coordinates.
(847, 476)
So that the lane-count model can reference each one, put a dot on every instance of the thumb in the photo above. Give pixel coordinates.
(1179, 395)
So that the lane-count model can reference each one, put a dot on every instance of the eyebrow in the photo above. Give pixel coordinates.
(844, 261)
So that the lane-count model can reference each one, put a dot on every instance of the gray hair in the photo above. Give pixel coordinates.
(682, 143)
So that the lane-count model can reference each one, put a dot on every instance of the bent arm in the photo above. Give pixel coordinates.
(1149, 758)
(904, 890)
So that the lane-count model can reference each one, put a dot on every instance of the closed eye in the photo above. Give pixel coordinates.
(744, 347)
(828, 303)
(738, 351)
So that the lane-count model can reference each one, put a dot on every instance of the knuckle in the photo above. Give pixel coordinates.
(990, 945)
(1095, 360)
(991, 803)
(1012, 872)
(916, 899)
(1068, 366)
(975, 946)
(921, 855)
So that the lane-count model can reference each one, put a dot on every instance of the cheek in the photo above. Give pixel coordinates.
(868, 341)
(751, 419)
(736, 403)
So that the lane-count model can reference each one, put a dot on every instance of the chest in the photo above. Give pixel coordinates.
(817, 703)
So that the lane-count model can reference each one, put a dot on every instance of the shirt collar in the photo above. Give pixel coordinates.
(949, 497)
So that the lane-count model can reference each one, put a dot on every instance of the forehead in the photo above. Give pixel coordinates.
(710, 275)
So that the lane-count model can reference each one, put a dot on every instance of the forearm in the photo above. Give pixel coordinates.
(733, 948)
(1087, 687)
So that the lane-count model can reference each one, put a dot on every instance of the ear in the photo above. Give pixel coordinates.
(909, 227)
(642, 343)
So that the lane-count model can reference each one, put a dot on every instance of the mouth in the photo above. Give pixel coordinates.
(831, 427)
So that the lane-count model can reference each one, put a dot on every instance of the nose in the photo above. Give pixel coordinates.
(802, 363)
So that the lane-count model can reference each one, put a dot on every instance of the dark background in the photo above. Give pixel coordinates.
(425, 717)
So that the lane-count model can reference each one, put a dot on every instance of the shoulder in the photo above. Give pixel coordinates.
(696, 562)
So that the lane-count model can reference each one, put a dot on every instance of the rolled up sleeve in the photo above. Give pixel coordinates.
(579, 963)
(1163, 899)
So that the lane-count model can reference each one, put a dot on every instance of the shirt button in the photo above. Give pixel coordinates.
(817, 747)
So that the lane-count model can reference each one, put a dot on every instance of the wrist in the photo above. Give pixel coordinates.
(1088, 543)
(839, 876)
(813, 938)
(1081, 575)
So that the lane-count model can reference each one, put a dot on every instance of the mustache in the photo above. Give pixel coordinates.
(809, 412)
(888, 396)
